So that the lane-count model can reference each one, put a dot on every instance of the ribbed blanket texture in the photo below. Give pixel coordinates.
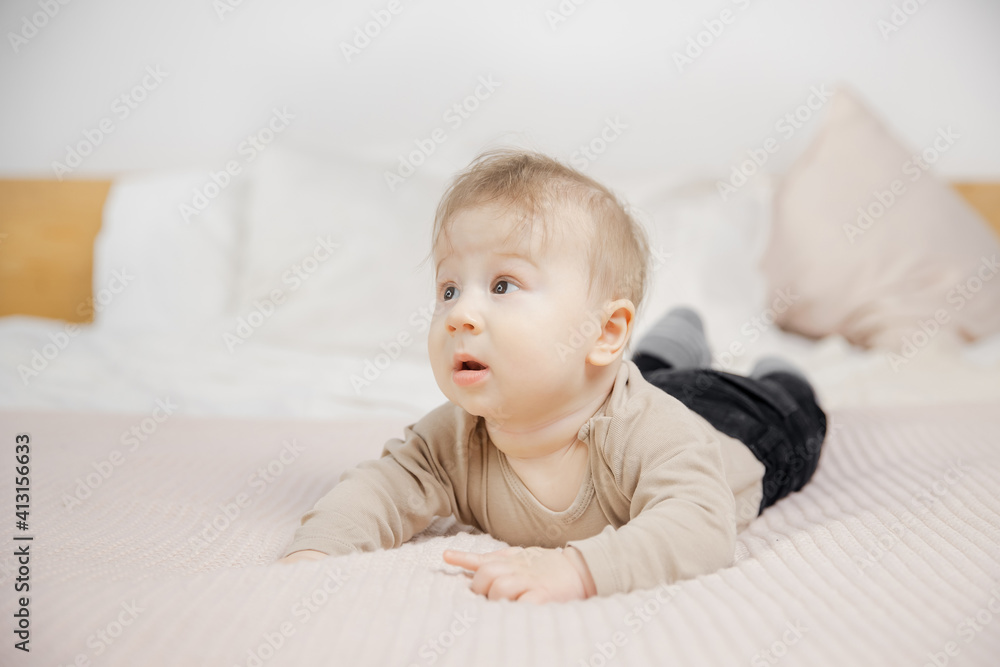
(890, 556)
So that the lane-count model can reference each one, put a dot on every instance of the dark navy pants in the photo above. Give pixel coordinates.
(776, 417)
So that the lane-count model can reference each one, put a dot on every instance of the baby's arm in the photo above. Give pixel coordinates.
(378, 505)
(682, 514)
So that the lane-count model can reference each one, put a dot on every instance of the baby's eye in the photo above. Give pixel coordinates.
(504, 286)
(450, 292)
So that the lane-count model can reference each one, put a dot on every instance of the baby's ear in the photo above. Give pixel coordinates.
(610, 345)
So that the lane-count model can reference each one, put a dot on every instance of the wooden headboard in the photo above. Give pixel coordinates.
(47, 231)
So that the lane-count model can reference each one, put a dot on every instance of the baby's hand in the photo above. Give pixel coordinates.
(527, 575)
(305, 554)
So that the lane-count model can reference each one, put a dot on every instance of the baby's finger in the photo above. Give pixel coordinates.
(466, 559)
(508, 587)
(534, 596)
(487, 575)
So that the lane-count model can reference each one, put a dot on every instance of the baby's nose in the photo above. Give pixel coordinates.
(464, 318)
(469, 325)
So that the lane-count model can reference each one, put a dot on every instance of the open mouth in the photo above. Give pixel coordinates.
(469, 371)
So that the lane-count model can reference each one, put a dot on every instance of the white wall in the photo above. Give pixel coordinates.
(608, 59)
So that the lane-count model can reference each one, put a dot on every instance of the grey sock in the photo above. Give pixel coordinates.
(770, 364)
(679, 339)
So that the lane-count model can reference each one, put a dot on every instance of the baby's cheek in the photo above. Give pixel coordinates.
(435, 347)
(525, 335)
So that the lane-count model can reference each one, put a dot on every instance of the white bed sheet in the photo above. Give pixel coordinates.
(107, 373)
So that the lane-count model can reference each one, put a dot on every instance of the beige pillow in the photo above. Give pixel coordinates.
(874, 247)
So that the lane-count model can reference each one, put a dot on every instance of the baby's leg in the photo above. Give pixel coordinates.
(773, 412)
(676, 341)
(791, 460)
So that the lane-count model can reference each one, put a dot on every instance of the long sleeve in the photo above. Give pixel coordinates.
(382, 503)
(666, 467)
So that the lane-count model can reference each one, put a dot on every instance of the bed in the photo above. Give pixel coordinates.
(183, 415)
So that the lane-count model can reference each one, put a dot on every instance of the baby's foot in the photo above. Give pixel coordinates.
(677, 338)
(770, 364)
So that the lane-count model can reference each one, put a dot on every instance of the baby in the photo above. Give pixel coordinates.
(607, 474)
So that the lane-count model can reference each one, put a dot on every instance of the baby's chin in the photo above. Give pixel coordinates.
(495, 415)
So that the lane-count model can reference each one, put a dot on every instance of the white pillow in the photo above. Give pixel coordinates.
(332, 258)
(154, 271)
(921, 263)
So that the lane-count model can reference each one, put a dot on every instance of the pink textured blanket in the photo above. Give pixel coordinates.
(153, 544)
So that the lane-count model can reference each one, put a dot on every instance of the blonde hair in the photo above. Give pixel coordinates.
(535, 185)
